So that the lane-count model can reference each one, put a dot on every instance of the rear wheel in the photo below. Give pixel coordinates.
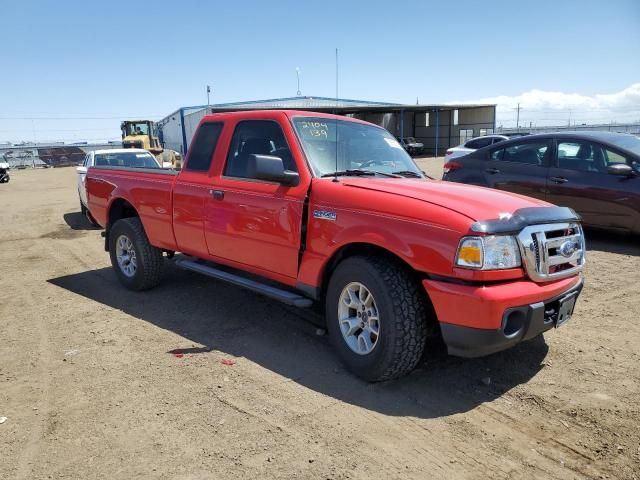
(137, 263)
(376, 317)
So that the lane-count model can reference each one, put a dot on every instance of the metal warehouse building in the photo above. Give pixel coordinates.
(438, 127)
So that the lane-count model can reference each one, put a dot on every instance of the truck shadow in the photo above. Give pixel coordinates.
(245, 325)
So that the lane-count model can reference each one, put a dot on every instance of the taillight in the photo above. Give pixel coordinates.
(452, 166)
(449, 152)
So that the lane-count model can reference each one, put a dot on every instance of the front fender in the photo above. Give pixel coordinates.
(427, 248)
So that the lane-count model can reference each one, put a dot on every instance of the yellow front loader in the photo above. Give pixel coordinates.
(141, 134)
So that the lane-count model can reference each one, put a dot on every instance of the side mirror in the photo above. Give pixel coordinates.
(81, 169)
(270, 168)
(621, 169)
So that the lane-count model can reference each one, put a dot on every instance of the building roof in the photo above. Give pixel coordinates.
(327, 104)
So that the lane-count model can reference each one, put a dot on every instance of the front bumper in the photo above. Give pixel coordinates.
(480, 320)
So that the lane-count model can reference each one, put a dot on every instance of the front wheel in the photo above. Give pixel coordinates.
(376, 317)
(137, 263)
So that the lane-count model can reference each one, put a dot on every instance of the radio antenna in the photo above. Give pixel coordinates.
(335, 178)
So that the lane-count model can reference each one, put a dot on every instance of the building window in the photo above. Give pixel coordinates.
(455, 117)
(426, 119)
(486, 131)
(466, 134)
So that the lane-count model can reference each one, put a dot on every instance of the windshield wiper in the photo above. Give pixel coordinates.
(357, 172)
(407, 173)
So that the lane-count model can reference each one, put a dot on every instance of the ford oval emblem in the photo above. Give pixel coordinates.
(567, 248)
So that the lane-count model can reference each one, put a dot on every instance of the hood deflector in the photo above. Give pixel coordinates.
(524, 217)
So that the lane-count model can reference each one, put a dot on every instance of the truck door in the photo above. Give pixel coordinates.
(191, 191)
(254, 222)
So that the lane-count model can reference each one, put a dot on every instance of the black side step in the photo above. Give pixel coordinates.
(284, 296)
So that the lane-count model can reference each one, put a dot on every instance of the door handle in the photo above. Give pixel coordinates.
(558, 179)
(217, 194)
(492, 170)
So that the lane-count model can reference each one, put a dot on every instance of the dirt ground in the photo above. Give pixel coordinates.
(92, 389)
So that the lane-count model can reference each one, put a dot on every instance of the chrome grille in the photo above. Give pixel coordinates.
(552, 251)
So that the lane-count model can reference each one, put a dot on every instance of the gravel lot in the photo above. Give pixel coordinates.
(92, 387)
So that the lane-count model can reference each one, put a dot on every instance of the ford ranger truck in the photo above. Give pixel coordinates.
(315, 209)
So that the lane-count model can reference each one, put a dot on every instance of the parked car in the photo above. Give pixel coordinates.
(120, 157)
(411, 145)
(354, 226)
(594, 173)
(473, 145)
(4, 172)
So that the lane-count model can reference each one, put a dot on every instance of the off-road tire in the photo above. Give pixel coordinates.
(150, 262)
(403, 317)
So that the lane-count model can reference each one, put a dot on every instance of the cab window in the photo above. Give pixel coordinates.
(201, 153)
(256, 137)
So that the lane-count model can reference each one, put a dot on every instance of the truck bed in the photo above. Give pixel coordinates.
(148, 189)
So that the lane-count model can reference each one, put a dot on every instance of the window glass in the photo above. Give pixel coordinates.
(332, 145)
(426, 119)
(613, 158)
(581, 156)
(486, 131)
(137, 128)
(455, 117)
(530, 153)
(256, 137)
(497, 154)
(126, 159)
(203, 146)
(498, 140)
(628, 142)
(479, 143)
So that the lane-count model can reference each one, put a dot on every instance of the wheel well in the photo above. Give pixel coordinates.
(119, 209)
(364, 249)
(360, 249)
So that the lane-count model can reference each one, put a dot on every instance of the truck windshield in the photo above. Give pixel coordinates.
(340, 146)
(126, 159)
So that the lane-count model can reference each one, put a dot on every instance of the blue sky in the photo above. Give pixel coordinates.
(89, 60)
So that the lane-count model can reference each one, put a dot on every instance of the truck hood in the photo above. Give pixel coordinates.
(476, 203)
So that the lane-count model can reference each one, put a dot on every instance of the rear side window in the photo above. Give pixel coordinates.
(479, 143)
(203, 147)
(530, 153)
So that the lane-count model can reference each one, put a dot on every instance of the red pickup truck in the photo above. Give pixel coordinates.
(316, 209)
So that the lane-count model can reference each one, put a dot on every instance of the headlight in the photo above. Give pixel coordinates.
(492, 252)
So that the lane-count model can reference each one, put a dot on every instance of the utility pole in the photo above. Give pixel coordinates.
(299, 93)
(518, 117)
(336, 75)
(208, 92)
